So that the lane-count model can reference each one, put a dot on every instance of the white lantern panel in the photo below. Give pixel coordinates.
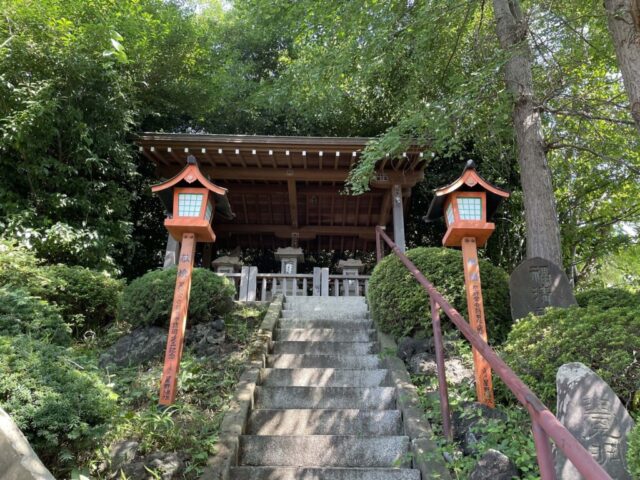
(450, 217)
(209, 211)
(189, 204)
(470, 208)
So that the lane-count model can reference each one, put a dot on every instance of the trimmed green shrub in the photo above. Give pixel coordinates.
(400, 305)
(606, 340)
(148, 299)
(633, 453)
(63, 409)
(21, 313)
(608, 298)
(88, 299)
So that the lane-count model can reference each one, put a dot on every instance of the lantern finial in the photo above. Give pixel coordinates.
(470, 164)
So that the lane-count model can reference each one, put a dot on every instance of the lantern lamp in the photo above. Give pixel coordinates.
(191, 201)
(466, 204)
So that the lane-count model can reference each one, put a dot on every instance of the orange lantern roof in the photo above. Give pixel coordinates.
(191, 200)
(467, 204)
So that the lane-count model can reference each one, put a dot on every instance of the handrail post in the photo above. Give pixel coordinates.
(378, 245)
(442, 374)
(543, 450)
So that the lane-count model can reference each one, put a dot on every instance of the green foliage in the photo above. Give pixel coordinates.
(633, 453)
(148, 299)
(606, 298)
(63, 408)
(604, 339)
(21, 313)
(401, 306)
(87, 299)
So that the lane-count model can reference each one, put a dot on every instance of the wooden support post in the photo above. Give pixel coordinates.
(398, 218)
(484, 384)
(178, 321)
(207, 253)
(171, 252)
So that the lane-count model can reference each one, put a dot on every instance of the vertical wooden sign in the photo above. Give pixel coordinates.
(484, 384)
(178, 321)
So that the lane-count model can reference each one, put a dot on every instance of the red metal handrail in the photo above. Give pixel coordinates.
(544, 423)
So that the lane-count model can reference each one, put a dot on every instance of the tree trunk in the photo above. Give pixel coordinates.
(623, 17)
(543, 232)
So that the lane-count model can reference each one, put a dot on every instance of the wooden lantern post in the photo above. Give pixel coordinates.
(466, 204)
(191, 200)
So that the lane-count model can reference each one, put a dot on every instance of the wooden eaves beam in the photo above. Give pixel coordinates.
(309, 232)
(280, 174)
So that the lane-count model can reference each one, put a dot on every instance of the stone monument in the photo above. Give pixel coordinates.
(227, 264)
(351, 267)
(289, 258)
(594, 414)
(536, 284)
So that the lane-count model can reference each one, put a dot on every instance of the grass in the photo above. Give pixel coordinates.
(191, 425)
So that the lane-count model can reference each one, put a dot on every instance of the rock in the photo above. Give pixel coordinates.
(167, 465)
(425, 364)
(218, 324)
(594, 414)
(136, 348)
(536, 284)
(410, 346)
(494, 465)
(469, 421)
(17, 458)
(121, 453)
(205, 338)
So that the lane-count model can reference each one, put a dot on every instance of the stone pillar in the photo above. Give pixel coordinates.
(398, 217)
(227, 264)
(171, 252)
(289, 258)
(354, 268)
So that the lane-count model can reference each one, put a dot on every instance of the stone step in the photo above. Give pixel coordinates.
(323, 451)
(324, 335)
(323, 377)
(373, 398)
(287, 360)
(325, 422)
(354, 325)
(325, 348)
(326, 314)
(329, 302)
(295, 473)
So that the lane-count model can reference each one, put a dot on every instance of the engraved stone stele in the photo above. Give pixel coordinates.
(536, 284)
(289, 258)
(594, 414)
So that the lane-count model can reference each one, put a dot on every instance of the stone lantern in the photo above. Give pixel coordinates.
(227, 264)
(289, 258)
(351, 267)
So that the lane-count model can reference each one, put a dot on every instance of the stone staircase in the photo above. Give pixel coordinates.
(324, 407)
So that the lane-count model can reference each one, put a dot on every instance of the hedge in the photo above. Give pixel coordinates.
(606, 339)
(147, 300)
(400, 305)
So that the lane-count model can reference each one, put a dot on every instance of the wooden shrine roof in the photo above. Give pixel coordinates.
(288, 189)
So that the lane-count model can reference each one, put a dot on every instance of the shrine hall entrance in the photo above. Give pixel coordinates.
(288, 193)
